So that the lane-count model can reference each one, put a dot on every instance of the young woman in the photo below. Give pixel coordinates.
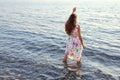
(75, 42)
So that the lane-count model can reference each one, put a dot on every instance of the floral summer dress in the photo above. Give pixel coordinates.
(73, 46)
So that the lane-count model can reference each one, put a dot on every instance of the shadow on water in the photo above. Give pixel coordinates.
(71, 71)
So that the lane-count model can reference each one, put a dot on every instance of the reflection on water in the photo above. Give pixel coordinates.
(72, 71)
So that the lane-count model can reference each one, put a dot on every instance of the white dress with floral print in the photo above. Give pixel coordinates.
(73, 46)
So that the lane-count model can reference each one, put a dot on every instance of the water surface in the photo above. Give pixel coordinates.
(32, 39)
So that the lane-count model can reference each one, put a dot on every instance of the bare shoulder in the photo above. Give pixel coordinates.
(78, 27)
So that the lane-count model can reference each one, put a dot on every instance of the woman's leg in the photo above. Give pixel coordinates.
(79, 61)
(65, 58)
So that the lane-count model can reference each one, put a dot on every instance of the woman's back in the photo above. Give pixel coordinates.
(74, 34)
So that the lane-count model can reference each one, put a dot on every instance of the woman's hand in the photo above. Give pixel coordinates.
(84, 46)
(74, 9)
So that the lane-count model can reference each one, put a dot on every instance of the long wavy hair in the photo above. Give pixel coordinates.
(71, 24)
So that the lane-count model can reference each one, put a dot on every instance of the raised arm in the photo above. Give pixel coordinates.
(74, 10)
(80, 37)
